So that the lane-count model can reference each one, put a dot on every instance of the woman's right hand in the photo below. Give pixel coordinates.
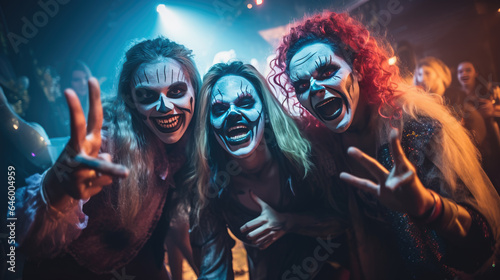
(81, 172)
(268, 227)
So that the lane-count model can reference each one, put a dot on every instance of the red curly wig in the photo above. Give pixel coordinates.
(350, 40)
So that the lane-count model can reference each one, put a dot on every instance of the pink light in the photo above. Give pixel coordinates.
(33, 154)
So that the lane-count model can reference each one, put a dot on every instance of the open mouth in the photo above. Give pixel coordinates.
(330, 109)
(168, 124)
(237, 134)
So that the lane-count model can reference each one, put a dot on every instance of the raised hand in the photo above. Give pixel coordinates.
(486, 108)
(80, 171)
(400, 189)
(268, 227)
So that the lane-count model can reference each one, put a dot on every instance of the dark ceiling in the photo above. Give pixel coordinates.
(98, 31)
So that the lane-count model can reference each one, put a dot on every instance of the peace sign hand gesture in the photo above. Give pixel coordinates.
(80, 171)
(400, 189)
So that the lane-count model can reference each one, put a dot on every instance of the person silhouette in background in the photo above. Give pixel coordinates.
(481, 97)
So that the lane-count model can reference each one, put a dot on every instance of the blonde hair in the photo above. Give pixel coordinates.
(438, 66)
(451, 151)
(281, 130)
(396, 102)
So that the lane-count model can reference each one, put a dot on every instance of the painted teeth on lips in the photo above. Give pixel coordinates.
(168, 122)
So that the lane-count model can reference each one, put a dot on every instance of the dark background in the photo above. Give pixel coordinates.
(97, 32)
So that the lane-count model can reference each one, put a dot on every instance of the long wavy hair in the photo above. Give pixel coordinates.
(207, 157)
(130, 142)
(395, 103)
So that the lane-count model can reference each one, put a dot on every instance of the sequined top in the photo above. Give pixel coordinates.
(384, 244)
(396, 246)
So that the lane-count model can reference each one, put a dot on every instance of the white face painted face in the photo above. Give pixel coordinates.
(325, 85)
(164, 97)
(237, 115)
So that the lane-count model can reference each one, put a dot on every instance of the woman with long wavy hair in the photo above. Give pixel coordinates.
(422, 206)
(253, 171)
(89, 216)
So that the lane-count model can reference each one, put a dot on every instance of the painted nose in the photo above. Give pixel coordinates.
(165, 106)
(234, 114)
(317, 89)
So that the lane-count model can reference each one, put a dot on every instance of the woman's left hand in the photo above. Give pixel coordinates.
(268, 227)
(400, 189)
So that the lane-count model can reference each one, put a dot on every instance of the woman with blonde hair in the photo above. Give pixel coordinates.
(423, 207)
(253, 171)
(432, 75)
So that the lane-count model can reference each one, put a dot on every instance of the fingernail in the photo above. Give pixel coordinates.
(124, 171)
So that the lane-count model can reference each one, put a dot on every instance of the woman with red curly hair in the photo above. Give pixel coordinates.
(420, 204)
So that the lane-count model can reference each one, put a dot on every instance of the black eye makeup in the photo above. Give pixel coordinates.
(326, 68)
(301, 86)
(177, 90)
(146, 96)
(219, 108)
(245, 100)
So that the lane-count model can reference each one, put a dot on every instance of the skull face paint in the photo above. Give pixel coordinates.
(236, 115)
(325, 85)
(164, 97)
